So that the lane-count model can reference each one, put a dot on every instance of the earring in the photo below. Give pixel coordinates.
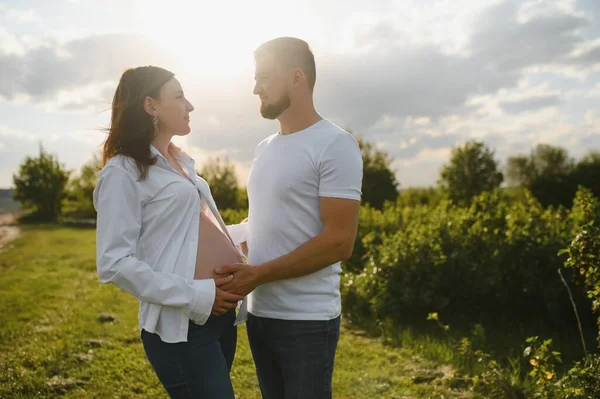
(155, 119)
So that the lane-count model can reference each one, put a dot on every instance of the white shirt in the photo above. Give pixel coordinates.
(288, 176)
(147, 241)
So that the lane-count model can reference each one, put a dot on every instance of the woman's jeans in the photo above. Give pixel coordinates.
(198, 368)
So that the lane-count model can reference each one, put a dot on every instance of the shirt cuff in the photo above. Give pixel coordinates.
(238, 232)
(341, 194)
(203, 301)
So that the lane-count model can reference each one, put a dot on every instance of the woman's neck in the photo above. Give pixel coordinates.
(162, 143)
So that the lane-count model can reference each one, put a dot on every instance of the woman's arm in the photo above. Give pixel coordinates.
(119, 207)
(239, 235)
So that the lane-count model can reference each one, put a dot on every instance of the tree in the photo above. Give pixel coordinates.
(40, 185)
(379, 180)
(587, 172)
(520, 171)
(550, 160)
(471, 171)
(221, 177)
(549, 173)
(80, 189)
(543, 161)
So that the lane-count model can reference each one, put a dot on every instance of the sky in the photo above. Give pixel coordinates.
(415, 77)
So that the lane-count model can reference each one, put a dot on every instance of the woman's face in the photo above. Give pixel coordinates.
(173, 109)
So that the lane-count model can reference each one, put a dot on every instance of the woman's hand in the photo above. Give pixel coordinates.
(244, 280)
(224, 301)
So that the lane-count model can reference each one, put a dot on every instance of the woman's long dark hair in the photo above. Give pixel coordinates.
(131, 130)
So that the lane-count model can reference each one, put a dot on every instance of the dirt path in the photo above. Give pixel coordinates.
(9, 230)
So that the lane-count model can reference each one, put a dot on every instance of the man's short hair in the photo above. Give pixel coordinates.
(291, 53)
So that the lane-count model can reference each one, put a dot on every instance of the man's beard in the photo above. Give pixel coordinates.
(272, 111)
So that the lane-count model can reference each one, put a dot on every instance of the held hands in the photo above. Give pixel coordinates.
(224, 301)
(244, 278)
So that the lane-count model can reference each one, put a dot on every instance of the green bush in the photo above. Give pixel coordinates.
(233, 216)
(494, 261)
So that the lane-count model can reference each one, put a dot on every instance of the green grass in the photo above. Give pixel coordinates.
(504, 343)
(53, 344)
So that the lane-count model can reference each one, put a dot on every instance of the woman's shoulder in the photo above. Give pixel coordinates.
(121, 164)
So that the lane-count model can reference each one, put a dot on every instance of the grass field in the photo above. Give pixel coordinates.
(63, 334)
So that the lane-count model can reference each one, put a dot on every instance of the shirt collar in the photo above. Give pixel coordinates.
(180, 153)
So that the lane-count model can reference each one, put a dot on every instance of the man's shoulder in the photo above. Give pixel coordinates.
(264, 143)
(333, 133)
(266, 140)
(332, 128)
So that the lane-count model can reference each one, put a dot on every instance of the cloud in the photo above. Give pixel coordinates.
(421, 144)
(591, 142)
(518, 135)
(416, 95)
(18, 15)
(401, 80)
(16, 145)
(587, 53)
(546, 34)
(9, 44)
(531, 103)
(418, 100)
(41, 73)
(22, 16)
(91, 97)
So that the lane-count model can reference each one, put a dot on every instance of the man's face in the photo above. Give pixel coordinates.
(271, 87)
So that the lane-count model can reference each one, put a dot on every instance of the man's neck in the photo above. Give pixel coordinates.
(296, 119)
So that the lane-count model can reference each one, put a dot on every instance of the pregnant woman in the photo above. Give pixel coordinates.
(160, 235)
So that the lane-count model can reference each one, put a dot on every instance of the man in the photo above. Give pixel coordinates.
(304, 194)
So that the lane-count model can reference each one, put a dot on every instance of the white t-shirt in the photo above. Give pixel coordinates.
(288, 175)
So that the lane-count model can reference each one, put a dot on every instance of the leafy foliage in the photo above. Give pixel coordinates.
(471, 171)
(379, 180)
(222, 180)
(233, 216)
(496, 258)
(40, 186)
(79, 202)
(552, 175)
(415, 196)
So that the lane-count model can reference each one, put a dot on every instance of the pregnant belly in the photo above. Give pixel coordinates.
(214, 249)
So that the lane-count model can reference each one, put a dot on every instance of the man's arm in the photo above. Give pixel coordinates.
(333, 244)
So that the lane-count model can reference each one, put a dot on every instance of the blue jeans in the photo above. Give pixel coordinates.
(294, 358)
(198, 368)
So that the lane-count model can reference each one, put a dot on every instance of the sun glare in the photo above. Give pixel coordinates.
(211, 39)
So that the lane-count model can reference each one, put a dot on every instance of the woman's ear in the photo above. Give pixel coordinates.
(149, 106)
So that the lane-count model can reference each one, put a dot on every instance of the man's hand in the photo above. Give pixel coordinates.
(224, 301)
(245, 278)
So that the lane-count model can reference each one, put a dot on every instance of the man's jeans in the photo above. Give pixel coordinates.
(294, 358)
